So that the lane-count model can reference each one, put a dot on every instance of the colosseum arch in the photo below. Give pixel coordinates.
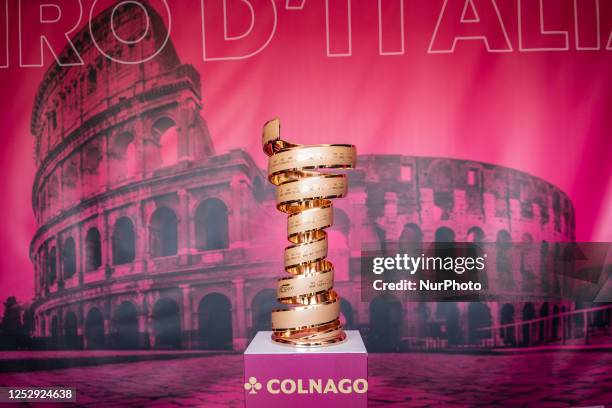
(373, 236)
(69, 258)
(386, 317)
(529, 313)
(259, 190)
(215, 322)
(423, 318)
(411, 239)
(165, 133)
(441, 179)
(92, 79)
(92, 177)
(55, 331)
(124, 161)
(577, 321)
(448, 314)
(163, 232)
(544, 267)
(93, 250)
(347, 317)
(570, 216)
(261, 308)
(125, 322)
(602, 319)
(506, 316)
(444, 234)
(479, 316)
(527, 262)
(39, 271)
(123, 242)
(53, 194)
(70, 179)
(342, 222)
(554, 330)
(567, 263)
(211, 225)
(474, 174)
(167, 324)
(557, 268)
(41, 267)
(503, 262)
(557, 209)
(71, 336)
(52, 266)
(475, 235)
(94, 329)
(544, 329)
(526, 195)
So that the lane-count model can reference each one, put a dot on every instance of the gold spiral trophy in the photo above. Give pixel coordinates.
(305, 193)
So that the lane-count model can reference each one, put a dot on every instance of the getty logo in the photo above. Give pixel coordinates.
(252, 386)
(310, 386)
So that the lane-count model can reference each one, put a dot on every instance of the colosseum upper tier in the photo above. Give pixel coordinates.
(149, 238)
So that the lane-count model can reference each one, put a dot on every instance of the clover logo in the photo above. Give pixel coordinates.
(252, 386)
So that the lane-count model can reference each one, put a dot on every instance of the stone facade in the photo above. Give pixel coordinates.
(148, 238)
(400, 200)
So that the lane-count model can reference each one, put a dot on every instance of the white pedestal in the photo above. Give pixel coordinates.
(330, 376)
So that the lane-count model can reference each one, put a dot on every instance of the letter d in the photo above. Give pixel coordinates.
(219, 45)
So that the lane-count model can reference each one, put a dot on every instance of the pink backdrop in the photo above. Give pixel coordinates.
(543, 112)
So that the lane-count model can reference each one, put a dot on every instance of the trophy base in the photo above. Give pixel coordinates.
(339, 337)
(330, 376)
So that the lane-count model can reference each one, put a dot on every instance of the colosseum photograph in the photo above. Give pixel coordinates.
(151, 240)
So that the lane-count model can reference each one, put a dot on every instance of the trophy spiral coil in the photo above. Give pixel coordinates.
(305, 192)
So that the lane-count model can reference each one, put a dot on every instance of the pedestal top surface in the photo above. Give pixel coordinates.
(263, 344)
